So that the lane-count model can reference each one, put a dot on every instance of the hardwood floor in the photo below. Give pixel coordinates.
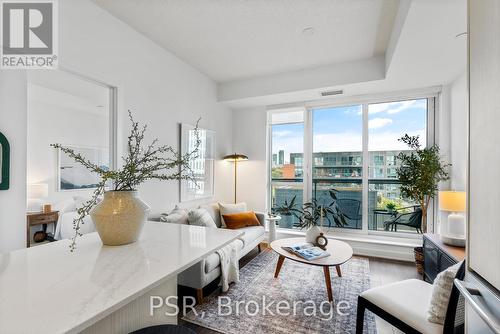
(382, 272)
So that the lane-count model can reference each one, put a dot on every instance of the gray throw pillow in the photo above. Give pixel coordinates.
(201, 217)
(441, 292)
(176, 216)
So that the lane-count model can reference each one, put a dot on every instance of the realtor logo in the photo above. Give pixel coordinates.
(29, 38)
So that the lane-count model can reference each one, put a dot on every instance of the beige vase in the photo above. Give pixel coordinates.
(119, 217)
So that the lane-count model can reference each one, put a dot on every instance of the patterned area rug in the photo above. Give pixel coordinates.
(296, 302)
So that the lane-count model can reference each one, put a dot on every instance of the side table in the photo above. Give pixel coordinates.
(271, 221)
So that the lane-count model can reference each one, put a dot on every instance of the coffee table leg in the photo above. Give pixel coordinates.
(339, 273)
(328, 282)
(278, 266)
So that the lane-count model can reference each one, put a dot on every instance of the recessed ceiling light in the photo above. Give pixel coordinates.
(309, 31)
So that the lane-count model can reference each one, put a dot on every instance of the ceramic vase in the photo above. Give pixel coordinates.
(119, 217)
(312, 233)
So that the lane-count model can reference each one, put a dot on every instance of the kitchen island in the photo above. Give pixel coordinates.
(100, 289)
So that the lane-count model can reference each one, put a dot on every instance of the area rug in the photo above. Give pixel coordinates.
(295, 302)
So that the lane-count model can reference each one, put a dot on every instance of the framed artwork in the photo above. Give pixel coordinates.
(4, 162)
(203, 166)
(73, 176)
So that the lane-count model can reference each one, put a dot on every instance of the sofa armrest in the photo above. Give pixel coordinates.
(261, 217)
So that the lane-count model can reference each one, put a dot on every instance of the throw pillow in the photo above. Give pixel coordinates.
(176, 216)
(243, 219)
(441, 292)
(227, 209)
(201, 217)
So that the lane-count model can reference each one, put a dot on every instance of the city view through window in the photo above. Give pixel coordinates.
(337, 161)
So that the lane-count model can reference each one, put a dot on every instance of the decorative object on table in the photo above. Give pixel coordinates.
(419, 172)
(37, 219)
(36, 192)
(119, 217)
(203, 165)
(321, 241)
(312, 214)
(47, 208)
(4, 163)
(390, 206)
(453, 231)
(235, 158)
(72, 175)
(298, 282)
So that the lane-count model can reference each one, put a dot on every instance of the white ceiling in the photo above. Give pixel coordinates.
(236, 39)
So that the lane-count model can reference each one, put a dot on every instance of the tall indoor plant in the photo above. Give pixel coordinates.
(119, 217)
(420, 171)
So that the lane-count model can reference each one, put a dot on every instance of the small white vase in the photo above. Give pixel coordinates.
(312, 233)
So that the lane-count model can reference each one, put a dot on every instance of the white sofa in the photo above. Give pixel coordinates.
(207, 270)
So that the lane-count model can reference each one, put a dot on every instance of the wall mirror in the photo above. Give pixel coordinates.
(4, 162)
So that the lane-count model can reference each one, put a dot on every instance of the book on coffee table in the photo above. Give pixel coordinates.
(307, 251)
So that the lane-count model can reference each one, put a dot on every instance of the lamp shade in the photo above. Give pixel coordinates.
(453, 201)
(235, 157)
(38, 190)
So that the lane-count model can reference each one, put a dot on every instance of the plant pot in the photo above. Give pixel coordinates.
(119, 217)
(419, 259)
(312, 233)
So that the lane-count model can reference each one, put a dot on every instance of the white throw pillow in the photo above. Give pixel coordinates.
(441, 292)
(176, 216)
(227, 209)
(201, 217)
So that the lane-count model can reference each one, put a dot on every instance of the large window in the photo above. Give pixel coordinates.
(351, 149)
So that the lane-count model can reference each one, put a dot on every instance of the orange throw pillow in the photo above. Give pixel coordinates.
(242, 219)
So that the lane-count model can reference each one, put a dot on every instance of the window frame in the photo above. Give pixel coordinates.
(432, 95)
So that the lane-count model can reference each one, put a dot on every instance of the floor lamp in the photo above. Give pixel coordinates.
(235, 158)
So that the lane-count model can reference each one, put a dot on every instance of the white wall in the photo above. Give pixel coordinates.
(13, 113)
(160, 89)
(249, 138)
(458, 132)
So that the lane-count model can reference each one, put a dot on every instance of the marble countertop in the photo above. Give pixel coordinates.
(48, 289)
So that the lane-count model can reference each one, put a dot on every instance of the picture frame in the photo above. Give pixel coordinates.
(4, 163)
(72, 176)
(203, 166)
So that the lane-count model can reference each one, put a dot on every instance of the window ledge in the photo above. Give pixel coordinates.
(396, 248)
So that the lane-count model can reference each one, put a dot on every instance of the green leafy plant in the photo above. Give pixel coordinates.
(310, 213)
(391, 206)
(140, 164)
(420, 172)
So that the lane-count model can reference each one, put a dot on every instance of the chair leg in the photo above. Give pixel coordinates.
(199, 296)
(360, 317)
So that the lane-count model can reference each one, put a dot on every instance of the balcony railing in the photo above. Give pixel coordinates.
(350, 195)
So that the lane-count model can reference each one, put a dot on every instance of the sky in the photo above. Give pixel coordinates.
(340, 129)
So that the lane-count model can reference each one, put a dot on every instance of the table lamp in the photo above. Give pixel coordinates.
(235, 158)
(453, 233)
(37, 191)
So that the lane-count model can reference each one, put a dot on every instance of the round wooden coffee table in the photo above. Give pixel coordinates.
(340, 252)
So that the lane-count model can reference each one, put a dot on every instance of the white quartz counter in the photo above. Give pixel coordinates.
(48, 289)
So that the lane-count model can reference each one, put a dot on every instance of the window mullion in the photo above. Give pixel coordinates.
(365, 173)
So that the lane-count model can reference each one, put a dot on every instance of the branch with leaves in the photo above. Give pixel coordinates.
(140, 164)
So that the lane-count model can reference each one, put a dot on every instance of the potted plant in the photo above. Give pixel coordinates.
(419, 172)
(390, 206)
(311, 214)
(121, 214)
(288, 210)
